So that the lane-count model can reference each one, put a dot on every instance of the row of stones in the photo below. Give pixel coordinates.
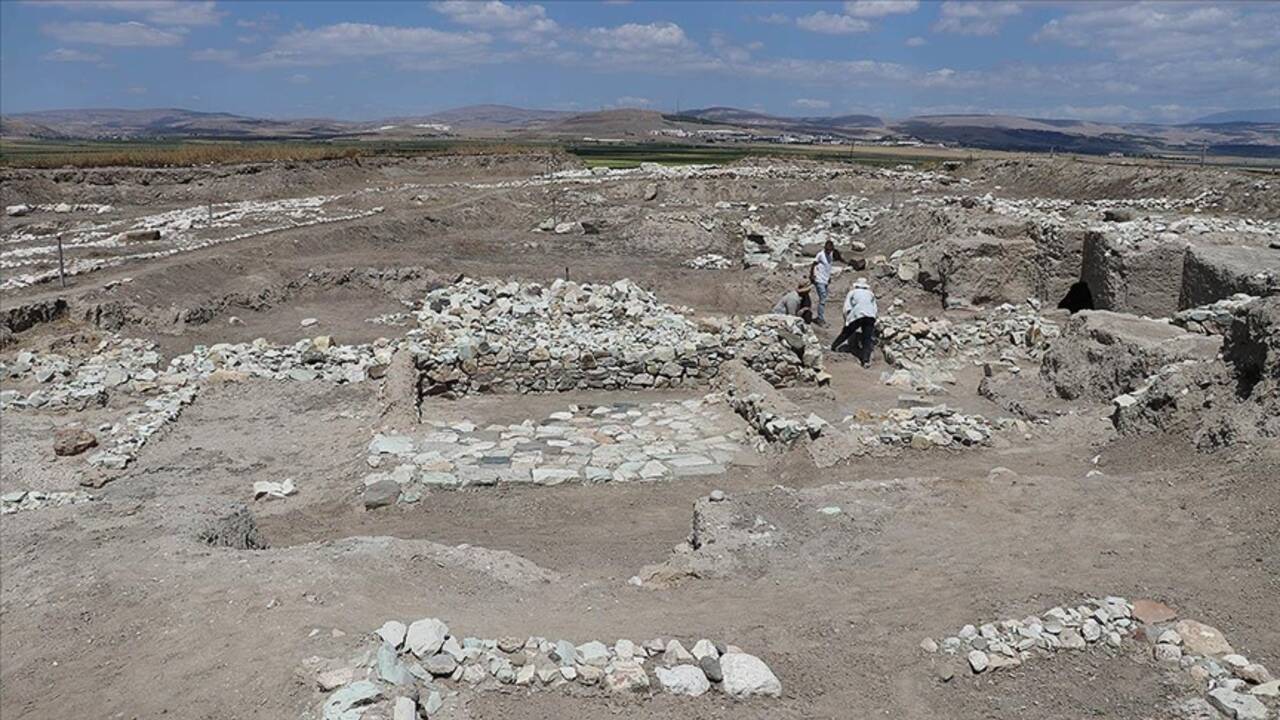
(1232, 684)
(526, 337)
(81, 266)
(1008, 643)
(608, 443)
(424, 661)
(132, 366)
(12, 502)
(926, 427)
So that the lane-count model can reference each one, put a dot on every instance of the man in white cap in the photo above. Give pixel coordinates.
(860, 313)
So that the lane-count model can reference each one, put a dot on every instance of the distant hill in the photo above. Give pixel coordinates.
(1268, 115)
(495, 116)
(1249, 132)
(750, 118)
(103, 124)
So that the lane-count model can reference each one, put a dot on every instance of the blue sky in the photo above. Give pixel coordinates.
(1099, 60)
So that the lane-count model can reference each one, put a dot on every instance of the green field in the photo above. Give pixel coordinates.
(629, 156)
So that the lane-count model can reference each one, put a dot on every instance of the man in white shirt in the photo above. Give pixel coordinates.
(860, 313)
(820, 275)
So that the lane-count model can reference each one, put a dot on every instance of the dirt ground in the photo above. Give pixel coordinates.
(116, 608)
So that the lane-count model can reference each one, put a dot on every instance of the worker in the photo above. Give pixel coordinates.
(820, 276)
(860, 313)
(796, 303)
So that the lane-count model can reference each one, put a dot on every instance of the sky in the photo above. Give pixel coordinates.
(1095, 60)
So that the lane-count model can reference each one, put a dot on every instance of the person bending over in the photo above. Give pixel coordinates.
(860, 313)
(796, 303)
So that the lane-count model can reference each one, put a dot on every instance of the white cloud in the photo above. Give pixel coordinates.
(811, 104)
(71, 55)
(413, 47)
(916, 41)
(136, 90)
(125, 34)
(1169, 30)
(634, 37)
(629, 101)
(523, 23)
(832, 24)
(974, 17)
(158, 12)
(880, 8)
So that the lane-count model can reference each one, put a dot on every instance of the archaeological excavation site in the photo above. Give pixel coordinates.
(507, 435)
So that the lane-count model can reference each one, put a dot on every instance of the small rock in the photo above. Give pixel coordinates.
(1267, 689)
(70, 441)
(929, 645)
(381, 493)
(625, 677)
(424, 637)
(978, 661)
(1150, 612)
(441, 664)
(1236, 705)
(703, 648)
(1167, 653)
(392, 633)
(717, 496)
(405, 709)
(710, 667)
(683, 680)
(331, 679)
(308, 322)
(746, 675)
(357, 693)
(1201, 639)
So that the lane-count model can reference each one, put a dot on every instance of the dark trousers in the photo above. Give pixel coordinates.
(861, 336)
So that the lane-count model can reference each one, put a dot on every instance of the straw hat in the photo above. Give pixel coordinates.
(861, 283)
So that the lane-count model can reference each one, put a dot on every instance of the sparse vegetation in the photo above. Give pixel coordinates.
(53, 154)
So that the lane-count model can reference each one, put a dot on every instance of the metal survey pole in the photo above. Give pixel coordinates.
(62, 270)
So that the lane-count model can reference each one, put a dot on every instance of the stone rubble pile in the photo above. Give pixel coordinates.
(620, 442)
(317, 358)
(526, 337)
(1009, 643)
(116, 364)
(12, 502)
(774, 426)
(709, 261)
(417, 668)
(1010, 332)
(839, 220)
(927, 426)
(1212, 319)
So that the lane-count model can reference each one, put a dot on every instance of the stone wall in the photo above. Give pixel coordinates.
(513, 337)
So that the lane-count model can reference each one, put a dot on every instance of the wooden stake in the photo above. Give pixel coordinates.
(62, 270)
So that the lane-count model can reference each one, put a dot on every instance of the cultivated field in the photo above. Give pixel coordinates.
(510, 434)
